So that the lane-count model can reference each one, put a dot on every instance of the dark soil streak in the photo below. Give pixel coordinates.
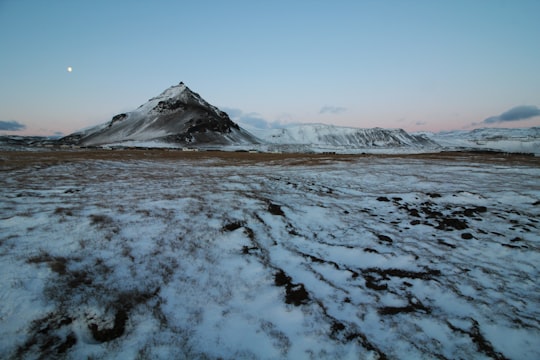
(481, 342)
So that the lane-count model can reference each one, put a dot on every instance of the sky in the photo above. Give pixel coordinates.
(418, 65)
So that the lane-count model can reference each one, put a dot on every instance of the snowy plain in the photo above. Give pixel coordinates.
(297, 258)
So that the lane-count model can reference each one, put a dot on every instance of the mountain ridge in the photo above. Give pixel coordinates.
(180, 117)
(331, 136)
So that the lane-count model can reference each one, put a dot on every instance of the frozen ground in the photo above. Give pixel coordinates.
(371, 257)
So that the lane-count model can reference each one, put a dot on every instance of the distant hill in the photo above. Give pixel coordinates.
(525, 140)
(321, 137)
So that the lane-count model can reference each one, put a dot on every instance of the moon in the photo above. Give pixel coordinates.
(69, 69)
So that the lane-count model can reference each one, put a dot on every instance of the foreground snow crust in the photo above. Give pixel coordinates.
(368, 258)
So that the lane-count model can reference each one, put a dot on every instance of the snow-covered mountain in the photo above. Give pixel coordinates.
(178, 115)
(330, 137)
(525, 140)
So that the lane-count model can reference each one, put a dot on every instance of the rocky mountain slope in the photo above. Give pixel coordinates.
(178, 115)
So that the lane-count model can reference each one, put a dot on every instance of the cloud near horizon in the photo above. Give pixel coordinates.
(332, 109)
(11, 125)
(252, 119)
(522, 112)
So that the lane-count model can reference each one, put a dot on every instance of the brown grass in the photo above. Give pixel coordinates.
(12, 160)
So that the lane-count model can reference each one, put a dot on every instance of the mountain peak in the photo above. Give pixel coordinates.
(175, 93)
(174, 90)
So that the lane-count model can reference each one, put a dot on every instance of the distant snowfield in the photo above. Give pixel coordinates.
(526, 140)
(396, 258)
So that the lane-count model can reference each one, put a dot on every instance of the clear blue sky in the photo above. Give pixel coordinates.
(417, 65)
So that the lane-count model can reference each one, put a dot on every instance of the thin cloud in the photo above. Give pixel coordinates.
(57, 134)
(252, 119)
(517, 113)
(255, 120)
(232, 112)
(332, 109)
(11, 125)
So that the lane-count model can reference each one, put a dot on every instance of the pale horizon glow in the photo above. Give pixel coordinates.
(418, 65)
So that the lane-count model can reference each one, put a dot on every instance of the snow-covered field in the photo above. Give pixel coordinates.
(337, 258)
